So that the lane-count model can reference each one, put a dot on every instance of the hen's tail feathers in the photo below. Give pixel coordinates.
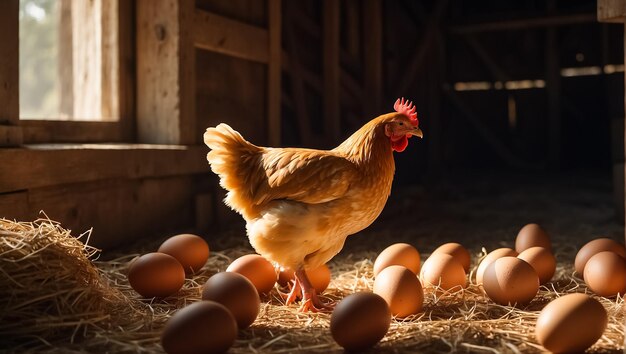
(234, 160)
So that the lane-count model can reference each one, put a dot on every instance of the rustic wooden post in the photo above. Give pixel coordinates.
(332, 116)
(372, 56)
(615, 11)
(10, 133)
(166, 72)
(274, 72)
(553, 88)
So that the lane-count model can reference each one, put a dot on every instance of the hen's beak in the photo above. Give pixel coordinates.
(416, 132)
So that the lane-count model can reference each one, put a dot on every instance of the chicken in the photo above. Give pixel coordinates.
(300, 205)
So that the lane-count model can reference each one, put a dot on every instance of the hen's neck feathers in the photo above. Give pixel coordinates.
(369, 147)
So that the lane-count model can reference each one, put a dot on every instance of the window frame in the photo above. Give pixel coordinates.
(36, 131)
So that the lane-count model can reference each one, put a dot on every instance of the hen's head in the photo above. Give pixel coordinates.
(399, 127)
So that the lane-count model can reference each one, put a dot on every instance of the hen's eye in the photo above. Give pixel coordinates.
(401, 123)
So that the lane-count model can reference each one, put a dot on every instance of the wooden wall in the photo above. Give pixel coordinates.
(308, 73)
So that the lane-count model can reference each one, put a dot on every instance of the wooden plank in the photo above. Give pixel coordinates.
(435, 80)
(372, 56)
(617, 139)
(331, 69)
(110, 59)
(165, 65)
(353, 28)
(126, 71)
(274, 72)
(488, 136)
(9, 62)
(612, 11)
(553, 90)
(223, 35)
(45, 131)
(297, 85)
(94, 44)
(14, 206)
(10, 135)
(525, 23)
(119, 211)
(187, 73)
(205, 210)
(66, 59)
(618, 191)
(421, 49)
(48, 165)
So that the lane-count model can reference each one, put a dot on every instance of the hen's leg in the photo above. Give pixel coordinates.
(294, 288)
(310, 301)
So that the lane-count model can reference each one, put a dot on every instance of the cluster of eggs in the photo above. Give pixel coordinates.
(362, 319)
(231, 299)
(162, 273)
(230, 302)
(507, 276)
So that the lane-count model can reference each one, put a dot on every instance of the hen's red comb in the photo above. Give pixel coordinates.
(407, 108)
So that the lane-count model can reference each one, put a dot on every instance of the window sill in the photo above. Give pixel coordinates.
(42, 165)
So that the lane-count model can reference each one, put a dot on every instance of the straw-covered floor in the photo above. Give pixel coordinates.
(56, 296)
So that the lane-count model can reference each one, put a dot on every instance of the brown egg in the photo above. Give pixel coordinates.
(457, 251)
(444, 271)
(542, 260)
(319, 277)
(156, 275)
(492, 256)
(401, 289)
(605, 274)
(236, 293)
(360, 321)
(257, 269)
(510, 280)
(571, 324)
(593, 247)
(398, 254)
(532, 235)
(202, 327)
(190, 250)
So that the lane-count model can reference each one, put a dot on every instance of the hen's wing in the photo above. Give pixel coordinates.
(309, 176)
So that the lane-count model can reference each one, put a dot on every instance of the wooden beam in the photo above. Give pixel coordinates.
(297, 84)
(274, 72)
(497, 145)
(553, 90)
(612, 11)
(331, 68)
(9, 62)
(10, 135)
(46, 131)
(234, 38)
(120, 211)
(372, 56)
(126, 73)
(435, 80)
(525, 23)
(55, 164)
(353, 28)
(408, 76)
(165, 72)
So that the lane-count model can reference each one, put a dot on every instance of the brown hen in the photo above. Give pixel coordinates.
(300, 205)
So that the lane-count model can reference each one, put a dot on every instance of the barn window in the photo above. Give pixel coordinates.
(68, 60)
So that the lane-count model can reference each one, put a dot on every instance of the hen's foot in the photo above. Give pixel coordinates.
(292, 295)
(310, 300)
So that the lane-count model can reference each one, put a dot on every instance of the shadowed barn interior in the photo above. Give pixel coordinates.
(104, 103)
